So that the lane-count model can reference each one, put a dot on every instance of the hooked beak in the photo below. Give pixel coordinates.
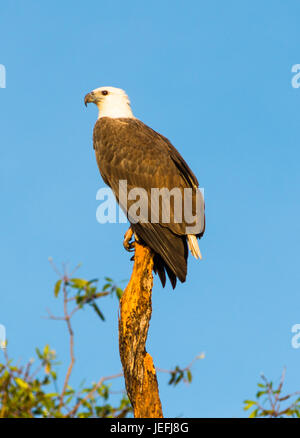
(90, 97)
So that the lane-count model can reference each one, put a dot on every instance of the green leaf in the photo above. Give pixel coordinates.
(95, 280)
(57, 288)
(179, 377)
(253, 413)
(172, 379)
(119, 292)
(21, 383)
(98, 311)
(38, 352)
(290, 412)
(189, 375)
(78, 283)
(248, 404)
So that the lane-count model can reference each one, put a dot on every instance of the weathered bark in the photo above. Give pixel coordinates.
(135, 314)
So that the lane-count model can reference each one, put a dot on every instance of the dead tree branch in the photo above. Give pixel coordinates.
(135, 313)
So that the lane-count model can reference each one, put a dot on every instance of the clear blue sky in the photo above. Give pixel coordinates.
(214, 77)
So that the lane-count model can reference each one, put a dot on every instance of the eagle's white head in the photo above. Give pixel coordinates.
(111, 102)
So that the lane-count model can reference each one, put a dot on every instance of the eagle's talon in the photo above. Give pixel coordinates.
(129, 246)
(128, 243)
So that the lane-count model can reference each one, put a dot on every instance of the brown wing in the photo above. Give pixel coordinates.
(127, 149)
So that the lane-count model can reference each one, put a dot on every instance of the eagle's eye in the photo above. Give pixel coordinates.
(104, 92)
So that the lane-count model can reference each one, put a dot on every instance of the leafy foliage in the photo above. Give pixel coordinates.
(271, 402)
(183, 374)
(32, 390)
(27, 392)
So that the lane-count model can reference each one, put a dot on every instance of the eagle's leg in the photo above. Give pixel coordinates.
(127, 243)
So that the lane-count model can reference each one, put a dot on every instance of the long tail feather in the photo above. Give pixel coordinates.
(194, 246)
